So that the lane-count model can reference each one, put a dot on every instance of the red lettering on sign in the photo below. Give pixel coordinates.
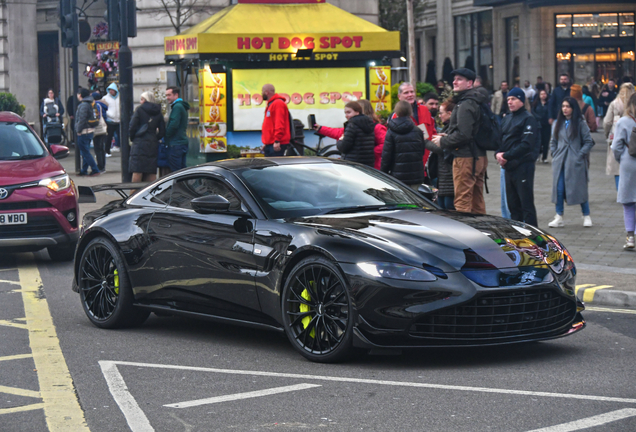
(244, 100)
(283, 43)
(180, 44)
(324, 42)
(358, 95)
(296, 98)
(257, 99)
(297, 43)
(243, 43)
(357, 40)
(268, 42)
(309, 43)
(324, 98)
(335, 41)
(257, 43)
(334, 97)
(347, 97)
(170, 45)
(286, 97)
(347, 42)
(309, 98)
(191, 43)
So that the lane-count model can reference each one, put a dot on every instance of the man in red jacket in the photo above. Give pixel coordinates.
(276, 128)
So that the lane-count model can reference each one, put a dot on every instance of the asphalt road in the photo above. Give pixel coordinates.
(174, 374)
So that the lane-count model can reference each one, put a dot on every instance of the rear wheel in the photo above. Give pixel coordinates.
(317, 311)
(105, 291)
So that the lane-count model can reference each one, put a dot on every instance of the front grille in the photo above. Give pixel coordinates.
(37, 226)
(25, 205)
(498, 317)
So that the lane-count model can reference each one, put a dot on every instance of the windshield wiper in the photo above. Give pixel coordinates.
(25, 157)
(363, 208)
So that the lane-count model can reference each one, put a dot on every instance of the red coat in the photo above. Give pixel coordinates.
(427, 120)
(379, 131)
(276, 121)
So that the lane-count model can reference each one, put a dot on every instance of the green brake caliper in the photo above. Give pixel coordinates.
(305, 308)
(116, 282)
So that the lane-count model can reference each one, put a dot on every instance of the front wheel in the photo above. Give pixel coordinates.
(105, 291)
(317, 311)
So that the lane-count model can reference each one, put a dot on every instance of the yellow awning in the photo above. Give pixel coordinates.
(276, 28)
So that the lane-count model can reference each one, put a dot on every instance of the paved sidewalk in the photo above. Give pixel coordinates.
(597, 251)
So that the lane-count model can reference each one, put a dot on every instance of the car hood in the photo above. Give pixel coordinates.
(24, 171)
(448, 240)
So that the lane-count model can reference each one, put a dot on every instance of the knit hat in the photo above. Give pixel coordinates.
(148, 97)
(518, 93)
(96, 95)
(576, 92)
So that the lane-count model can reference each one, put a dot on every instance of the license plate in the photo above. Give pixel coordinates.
(13, 218)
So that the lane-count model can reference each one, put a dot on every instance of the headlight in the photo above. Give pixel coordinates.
(396, 271)
(56, 183)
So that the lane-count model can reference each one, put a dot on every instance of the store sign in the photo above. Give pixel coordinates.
(320, 91)
(103, 46)
(187, 44)
(380, 88)
(212, 111)
(280, 1)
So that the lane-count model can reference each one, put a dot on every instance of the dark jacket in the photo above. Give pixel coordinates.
(143, 153)
(83, 114)
(58, 102)
(403, 151)
(358, 141)
(556, 99)
(464, 124)
(178, 123)
(542, 114)
(520, 140)
(445, 184)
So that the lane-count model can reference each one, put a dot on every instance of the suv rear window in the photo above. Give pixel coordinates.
(17, 142)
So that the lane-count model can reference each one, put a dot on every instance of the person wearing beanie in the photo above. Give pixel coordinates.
(521, 142)
(576, 92)
(101, 131)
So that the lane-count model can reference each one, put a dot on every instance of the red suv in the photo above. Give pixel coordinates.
(38, 200)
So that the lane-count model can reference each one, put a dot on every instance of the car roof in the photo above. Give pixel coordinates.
(259, 162)
(8, 116)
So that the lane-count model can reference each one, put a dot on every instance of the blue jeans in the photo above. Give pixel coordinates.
(585, 207)
(177, 156)
(270, 152)
(446, 202)
(505, 212)
(84, 145)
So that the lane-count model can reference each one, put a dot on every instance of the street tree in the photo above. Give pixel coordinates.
(392, 16)
(179, 12)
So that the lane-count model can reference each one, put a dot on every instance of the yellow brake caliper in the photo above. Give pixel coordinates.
(305, 308)
(116, 282)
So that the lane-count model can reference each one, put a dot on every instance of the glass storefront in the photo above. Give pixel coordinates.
(512, 51)
(473, 44)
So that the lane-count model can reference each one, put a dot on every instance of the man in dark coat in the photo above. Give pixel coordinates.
(520, 145)
(557, 96)
(85, 132)
(176, 136)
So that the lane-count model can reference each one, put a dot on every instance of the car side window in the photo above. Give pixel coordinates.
(189, 188)
(159, 195)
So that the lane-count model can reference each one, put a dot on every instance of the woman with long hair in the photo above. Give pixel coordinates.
(147, 127)
(445, 184)
(540, 110)
(379, 131)
(614, 113)
(570, 147)
(626, 190)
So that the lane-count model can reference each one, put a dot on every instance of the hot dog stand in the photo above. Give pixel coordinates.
(319, 57)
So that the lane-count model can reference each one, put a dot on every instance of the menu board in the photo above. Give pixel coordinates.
(380, 88)
(212, 111)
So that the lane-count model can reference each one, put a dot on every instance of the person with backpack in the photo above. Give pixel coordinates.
(468, 150)
(101, 131)
(147, 127)
(276, 131)
(85, 123)
(520, 145)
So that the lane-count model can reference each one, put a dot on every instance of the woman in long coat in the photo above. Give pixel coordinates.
(614, 113)
(570, 147)
(144, 151)
(626, 189)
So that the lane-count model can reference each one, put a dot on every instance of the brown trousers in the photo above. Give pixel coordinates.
(469, 187)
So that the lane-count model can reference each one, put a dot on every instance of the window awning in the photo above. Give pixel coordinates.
(282, 28)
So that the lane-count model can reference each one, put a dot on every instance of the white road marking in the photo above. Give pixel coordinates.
(238, 396)
(589, 422)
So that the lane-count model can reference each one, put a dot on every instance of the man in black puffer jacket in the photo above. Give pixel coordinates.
(358, 142)
(404, 148)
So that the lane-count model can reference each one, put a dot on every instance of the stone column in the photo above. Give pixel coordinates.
(445, 35)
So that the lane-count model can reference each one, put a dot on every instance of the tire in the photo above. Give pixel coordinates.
(317, 311)
(61, 253)
(333, 154)
(104, 287)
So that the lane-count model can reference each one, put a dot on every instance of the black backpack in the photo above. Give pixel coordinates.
(488, 135)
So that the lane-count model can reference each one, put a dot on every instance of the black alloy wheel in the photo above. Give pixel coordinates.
(105, 290)
(317, 311)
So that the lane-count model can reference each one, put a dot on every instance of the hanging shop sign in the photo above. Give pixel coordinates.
(319, 91)
(212, 111)
(380, 88)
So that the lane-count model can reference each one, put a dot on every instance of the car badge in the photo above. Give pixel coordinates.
(3, 193)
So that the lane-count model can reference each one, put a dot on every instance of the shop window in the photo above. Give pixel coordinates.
(473, 44)
(563, 26)
(627, 63)
(512, 50)
(583, 68)
(626, 24)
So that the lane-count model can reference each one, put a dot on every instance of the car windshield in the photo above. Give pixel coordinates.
(285, 191)
(17, 142)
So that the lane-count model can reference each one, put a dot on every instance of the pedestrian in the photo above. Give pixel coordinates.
(479, 85)
(520, 143)
(529, 91)
(588, 99)
(499, 105)
(276, 133)
(626, 190)
(176, 135)
(608, 94)
(440, 87)
(358, 141)
(147, 127)
(587, 111)
(445, 187)
(431, 102)
(541, 113)
(50, 100)
(101, 132)
(379, 131)
(70, 111)
(557, 96)
(112, 124)
(570, 146)
(85, 131)
(469, 161)
(614, 113)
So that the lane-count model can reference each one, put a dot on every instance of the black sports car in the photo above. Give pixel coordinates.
(335, 254)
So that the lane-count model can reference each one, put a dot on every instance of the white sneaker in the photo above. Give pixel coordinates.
(630, 243)
(587, 221)
(556, 222)
(108, 155)
(114, 149)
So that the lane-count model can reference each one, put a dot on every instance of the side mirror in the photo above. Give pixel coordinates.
(210, 204)
(428, 192)
(59, 151)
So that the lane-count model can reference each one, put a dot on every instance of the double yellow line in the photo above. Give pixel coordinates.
(59, 400)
